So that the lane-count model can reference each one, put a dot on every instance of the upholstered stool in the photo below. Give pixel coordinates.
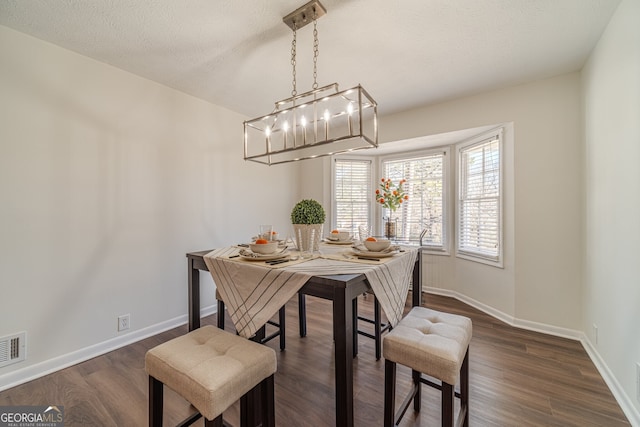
(212, 369)
(435, 344)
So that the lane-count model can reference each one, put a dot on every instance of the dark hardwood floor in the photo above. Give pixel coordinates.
(517, 378)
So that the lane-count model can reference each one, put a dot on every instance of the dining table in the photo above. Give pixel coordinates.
(334, 273)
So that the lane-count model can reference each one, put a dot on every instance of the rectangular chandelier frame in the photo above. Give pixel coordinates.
(321, 122)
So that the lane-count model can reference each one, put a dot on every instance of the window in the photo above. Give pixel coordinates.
(352, 192)
(424, 211)
(467, 216)
(479, 200)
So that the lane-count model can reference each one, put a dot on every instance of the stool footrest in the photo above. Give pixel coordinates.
(430, 383)
(405, 404)
(463, 418)
(190, 420)
(269, 337)
(383, 326)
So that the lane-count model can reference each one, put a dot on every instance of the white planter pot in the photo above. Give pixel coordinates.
(307, 236)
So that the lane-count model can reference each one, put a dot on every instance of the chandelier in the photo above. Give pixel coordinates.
(320, 122)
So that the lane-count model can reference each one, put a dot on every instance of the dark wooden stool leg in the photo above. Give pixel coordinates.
(417, 384)
(268, 402)
(464, 389)
(281, 321)
(247, 415)
(354, 310)
(302, 314)
(447, 404)
(216, 422)
(155, 402)
(389, 393)
(257, 406)
(220, 314)
(377, 328)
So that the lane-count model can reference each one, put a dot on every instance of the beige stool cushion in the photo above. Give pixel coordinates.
(210, 368)
(430, 342)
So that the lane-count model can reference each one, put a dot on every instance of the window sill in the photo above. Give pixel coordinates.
(477, 258)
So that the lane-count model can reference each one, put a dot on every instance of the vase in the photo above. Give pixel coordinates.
(390, 228)
(307, 238)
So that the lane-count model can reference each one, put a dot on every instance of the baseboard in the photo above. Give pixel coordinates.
(30, 373)
(473, 303)
(623, 399)
(625, 402)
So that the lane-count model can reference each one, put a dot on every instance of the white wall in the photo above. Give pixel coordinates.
(611, 82)
(541, 281)
(106, 181)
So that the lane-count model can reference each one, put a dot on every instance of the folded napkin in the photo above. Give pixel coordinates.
(349, 256)
(283, 262)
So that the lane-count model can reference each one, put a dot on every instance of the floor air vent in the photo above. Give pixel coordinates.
(12, 349)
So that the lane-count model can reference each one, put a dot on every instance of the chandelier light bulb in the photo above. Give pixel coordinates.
(303, 122)
(326, 124)
(285, 129)
(267, 133)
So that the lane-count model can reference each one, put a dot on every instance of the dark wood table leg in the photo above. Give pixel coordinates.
(302, 314)
(354, 316)
(343, 336)
(417, 281)
(220, 314)
(194, 295)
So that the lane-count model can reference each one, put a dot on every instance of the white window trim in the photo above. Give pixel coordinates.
(446, 176)
(499, 262)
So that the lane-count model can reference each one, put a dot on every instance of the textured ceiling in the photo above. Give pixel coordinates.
(236, 53)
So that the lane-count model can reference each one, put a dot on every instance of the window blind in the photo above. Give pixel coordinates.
(353, 195)
(425, 208)
(479, 219)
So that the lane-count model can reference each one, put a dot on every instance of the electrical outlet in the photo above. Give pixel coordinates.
(595, 333)
(124, 322)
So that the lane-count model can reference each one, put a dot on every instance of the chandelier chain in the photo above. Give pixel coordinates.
(294, 92)
(316, 51)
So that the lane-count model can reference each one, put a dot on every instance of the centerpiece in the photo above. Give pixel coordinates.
(390, 196)
(308, 217)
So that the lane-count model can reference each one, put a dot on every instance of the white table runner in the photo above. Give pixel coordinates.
(254, 292)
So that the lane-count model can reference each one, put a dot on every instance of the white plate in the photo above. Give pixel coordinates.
(250, 256)
(338, 242)
(371, 254)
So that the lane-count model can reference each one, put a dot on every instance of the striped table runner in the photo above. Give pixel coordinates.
(253, 293)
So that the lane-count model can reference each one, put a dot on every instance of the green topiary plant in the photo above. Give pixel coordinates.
(308, 211)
